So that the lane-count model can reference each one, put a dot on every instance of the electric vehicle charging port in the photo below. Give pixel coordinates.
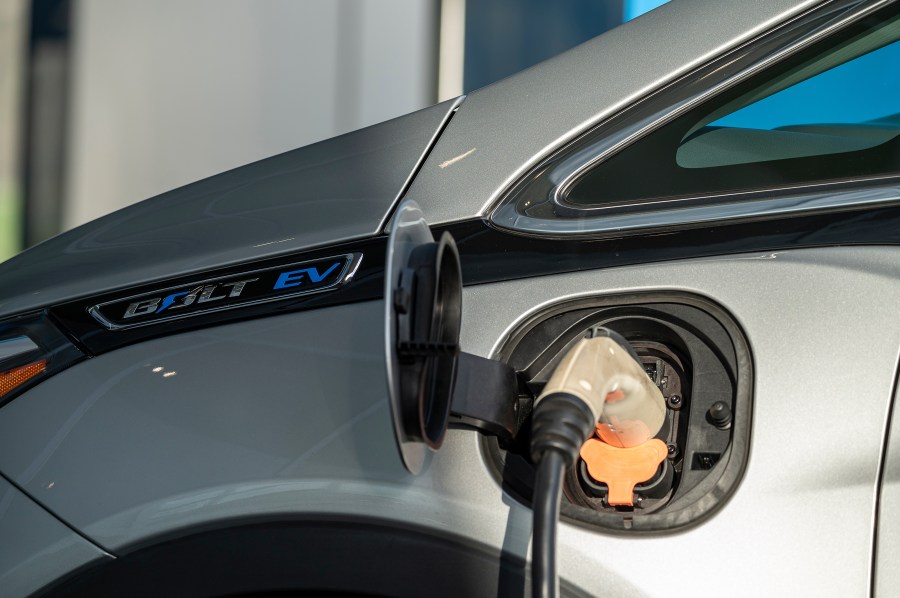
(697, 356)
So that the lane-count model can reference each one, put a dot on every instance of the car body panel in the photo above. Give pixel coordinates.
(35, 546)
(887, 548)
(334, 190)
(306, 430)
(503, 130)
(151, 437)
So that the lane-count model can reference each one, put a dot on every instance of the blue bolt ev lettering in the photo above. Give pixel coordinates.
(294, 278)
(201, 294)
(168, 301)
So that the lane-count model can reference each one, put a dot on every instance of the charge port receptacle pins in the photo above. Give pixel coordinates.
(652, 369)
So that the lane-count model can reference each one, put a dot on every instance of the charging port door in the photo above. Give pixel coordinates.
(423, 303)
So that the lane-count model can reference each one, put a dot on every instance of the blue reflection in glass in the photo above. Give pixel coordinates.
(635, 8)
(859, 91)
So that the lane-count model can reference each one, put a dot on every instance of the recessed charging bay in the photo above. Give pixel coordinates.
(697, 356)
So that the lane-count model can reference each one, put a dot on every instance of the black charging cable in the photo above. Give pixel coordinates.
(560, 424)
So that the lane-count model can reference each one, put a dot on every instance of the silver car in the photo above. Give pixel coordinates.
(317, 372)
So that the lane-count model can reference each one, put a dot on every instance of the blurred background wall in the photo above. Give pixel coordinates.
(170, 91)
(13, 35)
(107, 102)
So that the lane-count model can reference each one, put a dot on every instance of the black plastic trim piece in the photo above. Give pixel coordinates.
(485, 397)
(51, 345)
(363, 283)
(490, 255)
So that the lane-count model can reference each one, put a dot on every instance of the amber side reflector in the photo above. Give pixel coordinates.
(18, 376)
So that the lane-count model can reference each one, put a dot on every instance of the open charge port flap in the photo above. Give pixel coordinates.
(695, 353)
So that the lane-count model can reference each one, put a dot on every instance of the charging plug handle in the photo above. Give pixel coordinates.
(612, 383)
(599, 379)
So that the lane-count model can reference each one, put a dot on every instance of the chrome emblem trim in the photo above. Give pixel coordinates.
(227, 292)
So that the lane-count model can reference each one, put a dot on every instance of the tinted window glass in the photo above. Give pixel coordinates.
(850, 107)
(831, 114)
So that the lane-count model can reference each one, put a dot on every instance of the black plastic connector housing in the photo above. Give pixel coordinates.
(485, 397)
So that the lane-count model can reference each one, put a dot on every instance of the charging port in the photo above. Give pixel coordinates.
(689, 348)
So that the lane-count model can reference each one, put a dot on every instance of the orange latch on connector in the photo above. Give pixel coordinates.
(621, 469)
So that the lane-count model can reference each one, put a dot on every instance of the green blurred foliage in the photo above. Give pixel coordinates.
(10, 243)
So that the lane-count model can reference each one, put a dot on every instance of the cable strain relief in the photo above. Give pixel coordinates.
(560, 422)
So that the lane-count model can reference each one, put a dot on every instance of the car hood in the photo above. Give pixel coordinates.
(332, 191)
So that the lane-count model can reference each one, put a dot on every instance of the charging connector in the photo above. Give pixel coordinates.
(599, 380)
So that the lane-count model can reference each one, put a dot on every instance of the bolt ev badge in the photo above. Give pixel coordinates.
(271, 284)
(186, 298)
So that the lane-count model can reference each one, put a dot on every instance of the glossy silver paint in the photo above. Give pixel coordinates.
(34, 546)
(289, 415)
(328, 192)
(887, 547)
(259, 416)
(502, 131)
